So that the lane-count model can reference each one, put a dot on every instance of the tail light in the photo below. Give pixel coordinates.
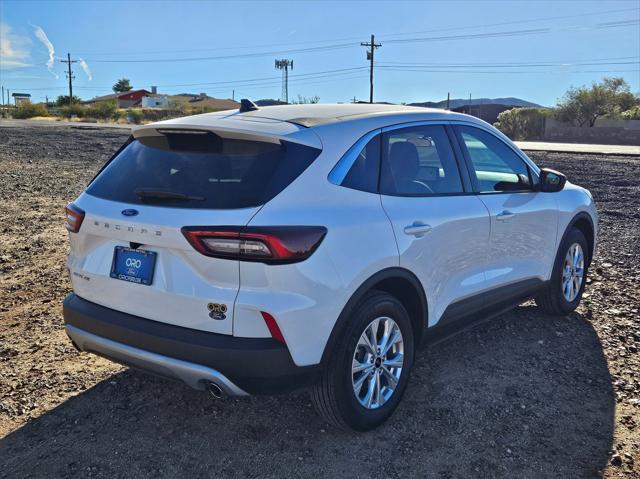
(266, 244)
(74, 217)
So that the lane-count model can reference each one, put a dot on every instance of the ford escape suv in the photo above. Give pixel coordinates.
(260, 250)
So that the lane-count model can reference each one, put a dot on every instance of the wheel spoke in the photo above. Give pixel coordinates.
(397, 336)
(395, 362)
(378, 402)
(364, 341)
(391, 379)
(368, 399)
(357, 386)
(357, 366)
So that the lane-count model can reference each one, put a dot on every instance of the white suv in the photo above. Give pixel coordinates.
(265, 249)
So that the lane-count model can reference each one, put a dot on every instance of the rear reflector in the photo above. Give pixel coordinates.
(266, 244)
(74, 217)
(274, 329)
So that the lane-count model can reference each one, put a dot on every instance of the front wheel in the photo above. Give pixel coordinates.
(367, 371)
(569, 276)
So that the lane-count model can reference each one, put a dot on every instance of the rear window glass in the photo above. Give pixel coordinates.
(201, 170)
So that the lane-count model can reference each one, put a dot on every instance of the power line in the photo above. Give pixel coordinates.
(513, 33)
(474, 36)
(355, 38)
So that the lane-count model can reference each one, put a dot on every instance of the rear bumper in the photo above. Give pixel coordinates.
(239, 366)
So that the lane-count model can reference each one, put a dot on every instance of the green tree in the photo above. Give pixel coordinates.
(583, 106)
(122, 86)
(64, 100)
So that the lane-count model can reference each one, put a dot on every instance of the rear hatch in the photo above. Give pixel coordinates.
(130, 253)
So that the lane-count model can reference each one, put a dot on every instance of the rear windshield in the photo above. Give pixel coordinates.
(201, 170)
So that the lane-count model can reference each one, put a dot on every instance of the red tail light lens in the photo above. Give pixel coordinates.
(74, 217)
(271, 245)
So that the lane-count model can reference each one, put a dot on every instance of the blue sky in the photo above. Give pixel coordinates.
(429, 48)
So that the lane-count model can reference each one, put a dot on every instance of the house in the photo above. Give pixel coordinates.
(132, 98)
(125, 100)
(20, 98)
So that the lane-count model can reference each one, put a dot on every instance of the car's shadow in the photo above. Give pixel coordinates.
(524, 395)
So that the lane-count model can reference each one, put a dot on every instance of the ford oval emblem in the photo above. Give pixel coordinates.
(129, 212)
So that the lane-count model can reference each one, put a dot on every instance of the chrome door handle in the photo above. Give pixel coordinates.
(505, 215)
(417, 229)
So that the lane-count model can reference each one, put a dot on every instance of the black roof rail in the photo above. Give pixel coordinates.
(247, 105)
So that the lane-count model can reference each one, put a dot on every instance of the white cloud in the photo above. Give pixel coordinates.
(42, 36)
(14, 49)
(85, 67)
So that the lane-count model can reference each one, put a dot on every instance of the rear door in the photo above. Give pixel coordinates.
(135, 210)
(441, 228)
(523, 220)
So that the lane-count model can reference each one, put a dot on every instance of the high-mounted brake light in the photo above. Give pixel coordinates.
(74, 217)
(266, 244)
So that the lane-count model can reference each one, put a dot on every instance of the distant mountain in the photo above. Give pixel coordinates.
(459, 102)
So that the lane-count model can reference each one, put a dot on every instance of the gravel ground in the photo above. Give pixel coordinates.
(523, 395)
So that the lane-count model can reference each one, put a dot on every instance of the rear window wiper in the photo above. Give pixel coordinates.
(159, 195)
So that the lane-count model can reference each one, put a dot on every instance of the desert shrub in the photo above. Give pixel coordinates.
(29, 110)
(75, 109)
(103, 110)
(135, 115)
(522, 123)
(632, 113)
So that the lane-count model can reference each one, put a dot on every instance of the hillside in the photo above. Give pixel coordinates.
(459, 102)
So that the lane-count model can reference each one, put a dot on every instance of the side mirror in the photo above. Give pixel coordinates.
(551, 181)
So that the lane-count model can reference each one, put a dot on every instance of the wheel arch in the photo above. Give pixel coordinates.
(398, 282)
(584, 223)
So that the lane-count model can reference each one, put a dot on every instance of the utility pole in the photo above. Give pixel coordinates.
(284, 65)
(69, 61)
(3, 96)
(370, 53)
(448, 96)
(233, 95)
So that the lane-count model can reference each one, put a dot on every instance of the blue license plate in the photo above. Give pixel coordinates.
(133, 265)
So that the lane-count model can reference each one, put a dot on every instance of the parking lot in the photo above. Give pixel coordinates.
(523, 395)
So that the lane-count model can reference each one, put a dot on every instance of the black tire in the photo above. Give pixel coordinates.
(333, 396)
(552, 299)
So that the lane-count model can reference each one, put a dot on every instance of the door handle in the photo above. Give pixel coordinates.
(505, 215)
(417, 229)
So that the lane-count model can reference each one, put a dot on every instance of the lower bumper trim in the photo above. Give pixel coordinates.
(194, 375)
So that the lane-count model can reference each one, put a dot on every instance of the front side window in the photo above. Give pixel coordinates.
(497, 168)
(419, 161)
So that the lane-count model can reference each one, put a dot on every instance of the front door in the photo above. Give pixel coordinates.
(523, 220)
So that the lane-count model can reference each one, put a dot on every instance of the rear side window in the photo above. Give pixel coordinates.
(201, 170)
(364, 172)
(419, 161)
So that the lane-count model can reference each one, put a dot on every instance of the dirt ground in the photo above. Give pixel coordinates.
(523, 395)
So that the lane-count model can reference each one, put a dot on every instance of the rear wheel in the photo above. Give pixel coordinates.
(565, 289)
(367, 371)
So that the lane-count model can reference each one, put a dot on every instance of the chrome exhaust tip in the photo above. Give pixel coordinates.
(216, 391)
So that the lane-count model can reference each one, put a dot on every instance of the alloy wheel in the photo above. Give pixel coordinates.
(572, 272)
(377, 362)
